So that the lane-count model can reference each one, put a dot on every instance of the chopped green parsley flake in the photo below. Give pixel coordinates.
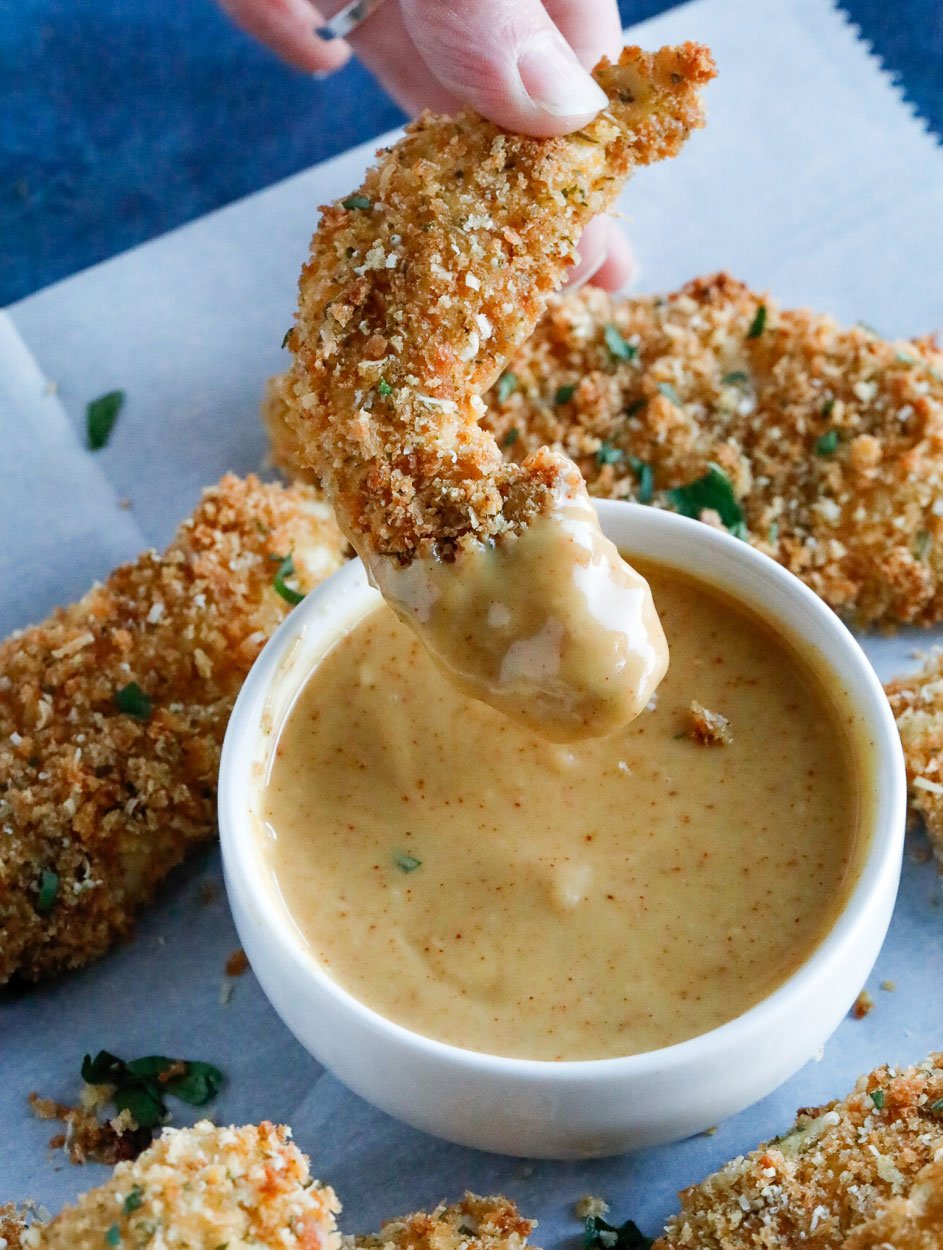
(669, 392)
(406, 863)
(357, 201)
(507, 385)
(922, 544)
(287, 569)
(712, 491)
(511, 437)
(736, 378)
(141, 1086)
(827, 444)
(133, 1200)
(564, 394)
(113, 1236)
(607, 454)
(828, 407)
(100, 417)
(616, 345)
(286, 336)
(384, 387)
(903, 359)
(773, 533)
(597, 1233)
(646, 479)
(758, 324)
(877, 1097)
(132, 700)
(937, 1107)
(48, 890)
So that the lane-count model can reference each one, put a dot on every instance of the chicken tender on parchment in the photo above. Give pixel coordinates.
(860, 1173)
(829, 439)
(917, 703)
(202, 1188)
(473, 1224)
(422, 283)
(112, 715)
(12, 1226)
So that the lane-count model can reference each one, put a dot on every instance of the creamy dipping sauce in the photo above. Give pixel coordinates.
(551, 626)
(480, 885)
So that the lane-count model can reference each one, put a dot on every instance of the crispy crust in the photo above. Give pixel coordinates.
(473, 1224)
(12, 1227)
(917, 703)
(207, 1187)
(860, 524)
(421, 285)
(845, 1171)
(108, 802)
(911, 1223)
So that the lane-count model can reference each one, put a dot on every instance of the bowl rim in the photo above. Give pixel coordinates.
(883, 855)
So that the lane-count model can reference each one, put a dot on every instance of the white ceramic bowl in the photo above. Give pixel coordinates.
(582, 1108)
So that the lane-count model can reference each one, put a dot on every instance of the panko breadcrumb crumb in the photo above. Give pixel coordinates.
(422, 283)
(86, 1138)
(473, 1224)
(831, 437)
(917, 703)
(203, 1187)
(103, 792)
(862, 1006)
(854, 1174)
(710, 728)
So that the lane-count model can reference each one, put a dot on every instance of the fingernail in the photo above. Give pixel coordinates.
(554, 79)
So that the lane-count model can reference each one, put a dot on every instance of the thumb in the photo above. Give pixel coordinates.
(507, 60)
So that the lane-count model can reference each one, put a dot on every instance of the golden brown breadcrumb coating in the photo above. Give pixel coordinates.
(97, 803)
(473, 1224)
(12, 1226)
(911, 1223)
(917, 703)
(206, 1188)
(423, 282)
(854, 1166)
(831, 437)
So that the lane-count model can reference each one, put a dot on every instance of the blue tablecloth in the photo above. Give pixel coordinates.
(122, 118)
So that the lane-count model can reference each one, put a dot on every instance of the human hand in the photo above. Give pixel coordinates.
(521, 63)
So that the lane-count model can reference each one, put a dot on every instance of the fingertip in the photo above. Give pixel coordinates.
(620, 265)
(593, 249)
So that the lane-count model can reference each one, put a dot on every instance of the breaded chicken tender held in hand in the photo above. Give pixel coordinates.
(113, 711)
(420, 286)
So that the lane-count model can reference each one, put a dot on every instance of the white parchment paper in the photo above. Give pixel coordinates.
(812, 179)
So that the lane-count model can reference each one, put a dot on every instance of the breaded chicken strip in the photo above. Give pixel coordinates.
(204, 1188)
(112, 715)
(12, 1227)
(422, 283)
(472, 1224)
(917, 703)
(831, 438)
(855, 1174)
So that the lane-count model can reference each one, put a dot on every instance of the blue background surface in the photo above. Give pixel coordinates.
(123, 118)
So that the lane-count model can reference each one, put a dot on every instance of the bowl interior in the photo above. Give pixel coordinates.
(711, 556)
